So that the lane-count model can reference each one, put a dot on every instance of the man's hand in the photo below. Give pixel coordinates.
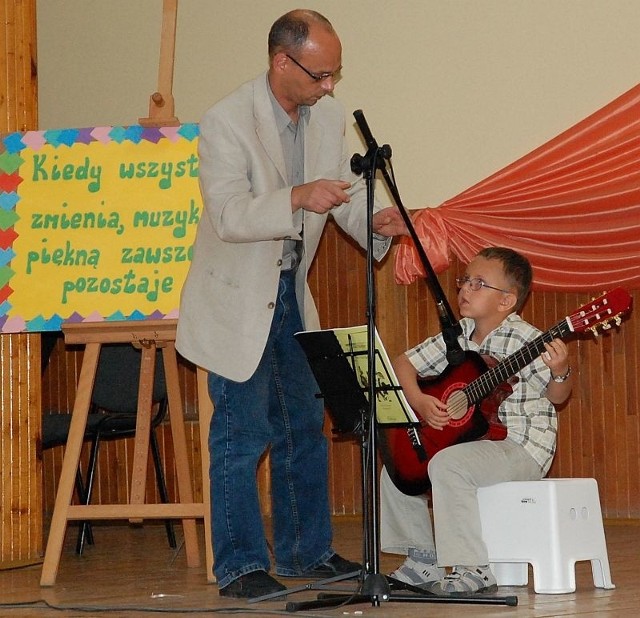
(319, 196)
(389, 222)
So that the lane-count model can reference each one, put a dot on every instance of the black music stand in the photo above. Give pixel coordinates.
(339, 361)
(337, 380)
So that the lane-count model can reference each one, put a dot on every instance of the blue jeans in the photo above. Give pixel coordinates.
(276, 407)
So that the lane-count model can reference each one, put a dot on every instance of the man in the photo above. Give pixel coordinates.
(273, 166)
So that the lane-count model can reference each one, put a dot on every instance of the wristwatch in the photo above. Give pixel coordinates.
(563, 378)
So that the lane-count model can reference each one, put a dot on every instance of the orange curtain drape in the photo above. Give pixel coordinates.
(572, 206)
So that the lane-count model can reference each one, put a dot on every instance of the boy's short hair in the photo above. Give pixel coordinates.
(516, 267)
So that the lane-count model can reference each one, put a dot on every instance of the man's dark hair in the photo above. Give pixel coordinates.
(290, 32)
(516, 267)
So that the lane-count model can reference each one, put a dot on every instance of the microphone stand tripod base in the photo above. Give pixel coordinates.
(376, 586)
(379, 588)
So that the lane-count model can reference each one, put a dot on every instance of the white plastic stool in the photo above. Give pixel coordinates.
(551, 524)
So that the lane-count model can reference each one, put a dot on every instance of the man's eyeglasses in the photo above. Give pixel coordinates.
(476, 283)
(318, 77)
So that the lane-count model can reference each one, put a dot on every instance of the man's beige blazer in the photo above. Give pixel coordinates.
(228, 297)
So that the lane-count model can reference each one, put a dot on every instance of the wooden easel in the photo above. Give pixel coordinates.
(161, 105)
(149, 336)
(205, 412)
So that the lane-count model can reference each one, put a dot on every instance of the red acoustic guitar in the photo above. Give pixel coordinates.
(473, 392)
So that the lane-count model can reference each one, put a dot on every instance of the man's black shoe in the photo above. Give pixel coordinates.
(250, 585)
(336, 565)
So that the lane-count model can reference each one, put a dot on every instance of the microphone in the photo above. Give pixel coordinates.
(374, 154)
(361, 121)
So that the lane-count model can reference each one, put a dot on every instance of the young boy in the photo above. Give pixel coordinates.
(494, 288)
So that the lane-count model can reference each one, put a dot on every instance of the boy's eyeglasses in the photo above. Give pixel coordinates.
(476, 283)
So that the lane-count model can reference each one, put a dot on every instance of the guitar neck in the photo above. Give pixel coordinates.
(488, 381)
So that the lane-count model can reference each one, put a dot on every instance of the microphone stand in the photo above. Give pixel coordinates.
(449, 326)
(375, 586)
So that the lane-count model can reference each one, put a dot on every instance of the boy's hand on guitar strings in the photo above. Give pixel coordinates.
(433, 411)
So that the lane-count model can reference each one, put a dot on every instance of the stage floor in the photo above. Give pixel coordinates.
(131, 571)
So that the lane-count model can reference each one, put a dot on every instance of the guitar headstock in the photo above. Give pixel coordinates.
(603, 311)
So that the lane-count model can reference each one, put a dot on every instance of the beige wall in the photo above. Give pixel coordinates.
(458, 88)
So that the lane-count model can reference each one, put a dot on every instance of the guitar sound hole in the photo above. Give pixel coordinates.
(457, 405)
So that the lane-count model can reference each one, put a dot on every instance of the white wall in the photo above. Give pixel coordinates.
(458, 88)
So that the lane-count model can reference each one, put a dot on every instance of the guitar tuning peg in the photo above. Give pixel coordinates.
(606, 326)
(617, 320)
(594, 331)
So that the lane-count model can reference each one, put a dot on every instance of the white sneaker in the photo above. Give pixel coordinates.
(418, 574)
(464, 581)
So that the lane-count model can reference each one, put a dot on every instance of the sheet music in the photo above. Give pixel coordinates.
(392, 406)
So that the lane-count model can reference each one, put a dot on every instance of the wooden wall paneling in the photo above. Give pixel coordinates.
(586, 406)
(21, 471)
(188, 388)
(632, 420)
(336, 282)
(264, 485)
(348, 270)
(598, 427)
(166, 447)
(20, 481)
(601, 406)
(341, 294)
(317, 284)
(193, 435)
(598, 435)
(344, 474)
(614, 427)
(412, 310)
(575, 418)
(50, 473)
(625, 373)
(595, 425)
(165, 443)
(19, 106)
(586, 402)
(391, 308)
(324, 284)
(631, 373)
(353, 264)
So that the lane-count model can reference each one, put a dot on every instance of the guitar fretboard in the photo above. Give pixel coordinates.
(488, 381)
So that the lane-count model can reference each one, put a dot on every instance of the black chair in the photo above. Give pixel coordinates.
(112, 416)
